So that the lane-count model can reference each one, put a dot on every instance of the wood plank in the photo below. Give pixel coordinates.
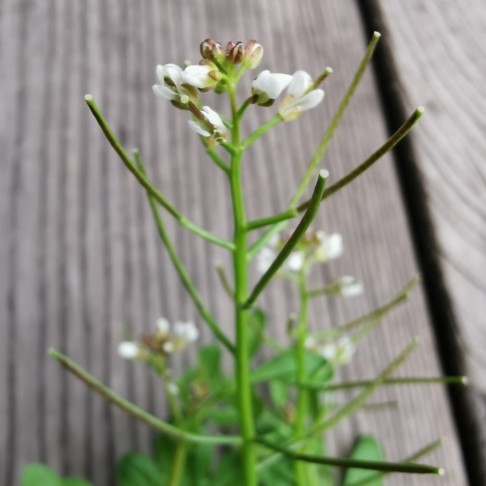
(441, 63)
(83, 261)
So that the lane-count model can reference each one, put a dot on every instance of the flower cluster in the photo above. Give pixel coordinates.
(338, 351)
(164, 341)
(218, 70)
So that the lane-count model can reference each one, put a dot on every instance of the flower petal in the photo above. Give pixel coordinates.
(299, 84)
(164, 92)
(198, 128)
(311, 99)
(197, 76)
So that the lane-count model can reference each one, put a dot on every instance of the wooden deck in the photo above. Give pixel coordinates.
(80, 261)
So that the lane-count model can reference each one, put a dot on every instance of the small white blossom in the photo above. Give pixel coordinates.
(186, 331)
(268, 86)
(298, 98)
(219, 129)
(172, 86)
(264, 259)
(330, 246)
(128, 350)
(199, 76)
(349, 286)
(310, 342)
(338, 352)
(162, 325)
(172, 388)
(168, 347)
(295, 261)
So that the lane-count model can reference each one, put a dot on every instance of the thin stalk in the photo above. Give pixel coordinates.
(259, 223)
(181, 270)
(260, 131)
(145, 182)
(374, 157)
(351, 385)
(303, 393)
(240, 270)
(414, 457)
(347, 409)
(389, 467)
(293, 240)
(321, 149)
(178, 464)
(137, 412)
(224, 280)
(215, 157)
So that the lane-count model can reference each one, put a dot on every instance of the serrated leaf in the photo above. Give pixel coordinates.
(39, 475)
(257, 321)
(136, 469)
(367, 448)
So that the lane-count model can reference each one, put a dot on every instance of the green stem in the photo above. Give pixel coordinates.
(240, 268)
(374, 157)
(321, 149)
(215, 157)
(178, 463)
(181, 270)
(224, 280)
(144, 181)
(389, 467)
(259, 223)
(260, 131)
(303, 393)
(137, 412)
(293, 240)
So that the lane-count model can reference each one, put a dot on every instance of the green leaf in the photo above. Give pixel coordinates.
(257, 320)
(279, 392)
(164, 452)
(39, 475)
(224, 416)
(198, 465)
(283, 367)
(367, 448)
(72, 481)
(136, 469)
(281, 473)
(210, 361)
(228, 469)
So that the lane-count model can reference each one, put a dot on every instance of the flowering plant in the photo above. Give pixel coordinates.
(263, 423)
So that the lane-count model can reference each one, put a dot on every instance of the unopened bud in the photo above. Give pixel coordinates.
(235, 52)
(253, 54)
(212, 50)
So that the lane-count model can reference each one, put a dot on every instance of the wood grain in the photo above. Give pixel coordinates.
(80, 256)
(442, 66)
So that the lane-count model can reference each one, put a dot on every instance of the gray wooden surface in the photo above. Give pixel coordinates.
(80, 261)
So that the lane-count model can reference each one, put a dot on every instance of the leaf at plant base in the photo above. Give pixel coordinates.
(257, 321)
(39, 475)
(75, 482)
(135, 469)
(367, 448)
(283, 367)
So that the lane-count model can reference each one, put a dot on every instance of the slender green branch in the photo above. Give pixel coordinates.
(224, 280)
(374, 157)
(181, 270)
(216, 158)
(259, 223)
(145, 182)
(293, 240)
(350, 385)
(260, 131)
(244, 107)
(140, 414)
(321, 149)
(414, 457)
(178, 463)
(389, 467)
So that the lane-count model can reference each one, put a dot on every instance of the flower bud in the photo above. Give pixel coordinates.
(235, 52)
(253, 54)
(212, 50)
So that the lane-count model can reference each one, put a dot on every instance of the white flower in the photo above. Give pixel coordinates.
(295, 261)
(264, 259)
(268, 86)
(298, 98)
(168, 347)
(338, 352)
(349, 286)
(172, 86)
(172, 388)
(310, 342)
(219, 129)
(186, 331)
(128, 350)
(200, 76)
(330, 246)
(162, 325)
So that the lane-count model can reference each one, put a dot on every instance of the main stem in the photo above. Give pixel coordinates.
(303, 395)
(240, 269)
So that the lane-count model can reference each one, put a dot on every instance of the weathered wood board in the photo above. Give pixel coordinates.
(81, 264)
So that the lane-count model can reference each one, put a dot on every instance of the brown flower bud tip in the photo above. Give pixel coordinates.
(211, 50)
(235, 52)
(253, 54)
